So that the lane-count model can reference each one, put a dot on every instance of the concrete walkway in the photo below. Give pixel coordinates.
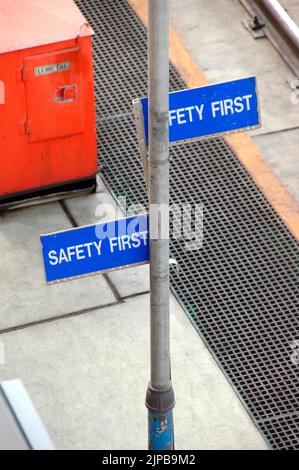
(82, 348)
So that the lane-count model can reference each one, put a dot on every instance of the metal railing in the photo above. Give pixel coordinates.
(279, 27)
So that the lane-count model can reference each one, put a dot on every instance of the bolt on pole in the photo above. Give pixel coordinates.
(160, 395)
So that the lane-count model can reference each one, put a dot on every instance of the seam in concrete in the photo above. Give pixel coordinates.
(133, 296)
(113, 288)
(72, 314)
(68, 213)
(56, 318)
(282, 131)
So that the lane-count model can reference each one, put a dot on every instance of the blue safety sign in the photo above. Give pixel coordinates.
(96, 248)
(211, 110)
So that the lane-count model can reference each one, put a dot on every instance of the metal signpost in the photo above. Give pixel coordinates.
(95, 249)
(160, 395)
(162, 119)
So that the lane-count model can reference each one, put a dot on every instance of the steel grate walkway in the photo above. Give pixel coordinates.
(241, 290)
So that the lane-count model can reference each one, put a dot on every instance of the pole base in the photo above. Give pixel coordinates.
(160, 400)
(160, 404)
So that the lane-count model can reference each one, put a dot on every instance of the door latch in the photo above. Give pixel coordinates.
(66, 94)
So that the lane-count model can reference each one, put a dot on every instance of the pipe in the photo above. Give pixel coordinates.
(160, 395)
(282, 18)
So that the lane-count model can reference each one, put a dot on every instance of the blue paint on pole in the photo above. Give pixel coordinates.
(211, 110)
(161, 435)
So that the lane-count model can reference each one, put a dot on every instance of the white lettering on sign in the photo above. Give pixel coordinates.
(126, 241)
(229, 106)
(77, 252)
(184, 115)
(221, 108)
(88, 250)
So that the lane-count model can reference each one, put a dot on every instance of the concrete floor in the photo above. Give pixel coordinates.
(81, 348)
(88, 374)
(214, 35)
(25, 297)
(84, 358)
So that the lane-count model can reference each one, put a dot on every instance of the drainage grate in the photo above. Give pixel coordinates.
(241, 290)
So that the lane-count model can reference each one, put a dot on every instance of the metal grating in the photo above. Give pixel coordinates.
(241, 290)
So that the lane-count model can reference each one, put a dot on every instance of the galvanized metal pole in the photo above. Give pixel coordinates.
(160, 396)
(283, 19)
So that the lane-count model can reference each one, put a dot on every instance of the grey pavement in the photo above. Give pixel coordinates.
(25, 297)
(282, 153)
(134, 281)
(87, 376)
(94, 208)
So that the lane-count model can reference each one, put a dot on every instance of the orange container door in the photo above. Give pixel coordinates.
(54, 97)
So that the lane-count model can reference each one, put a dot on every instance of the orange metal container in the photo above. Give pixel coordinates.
(47, 121)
